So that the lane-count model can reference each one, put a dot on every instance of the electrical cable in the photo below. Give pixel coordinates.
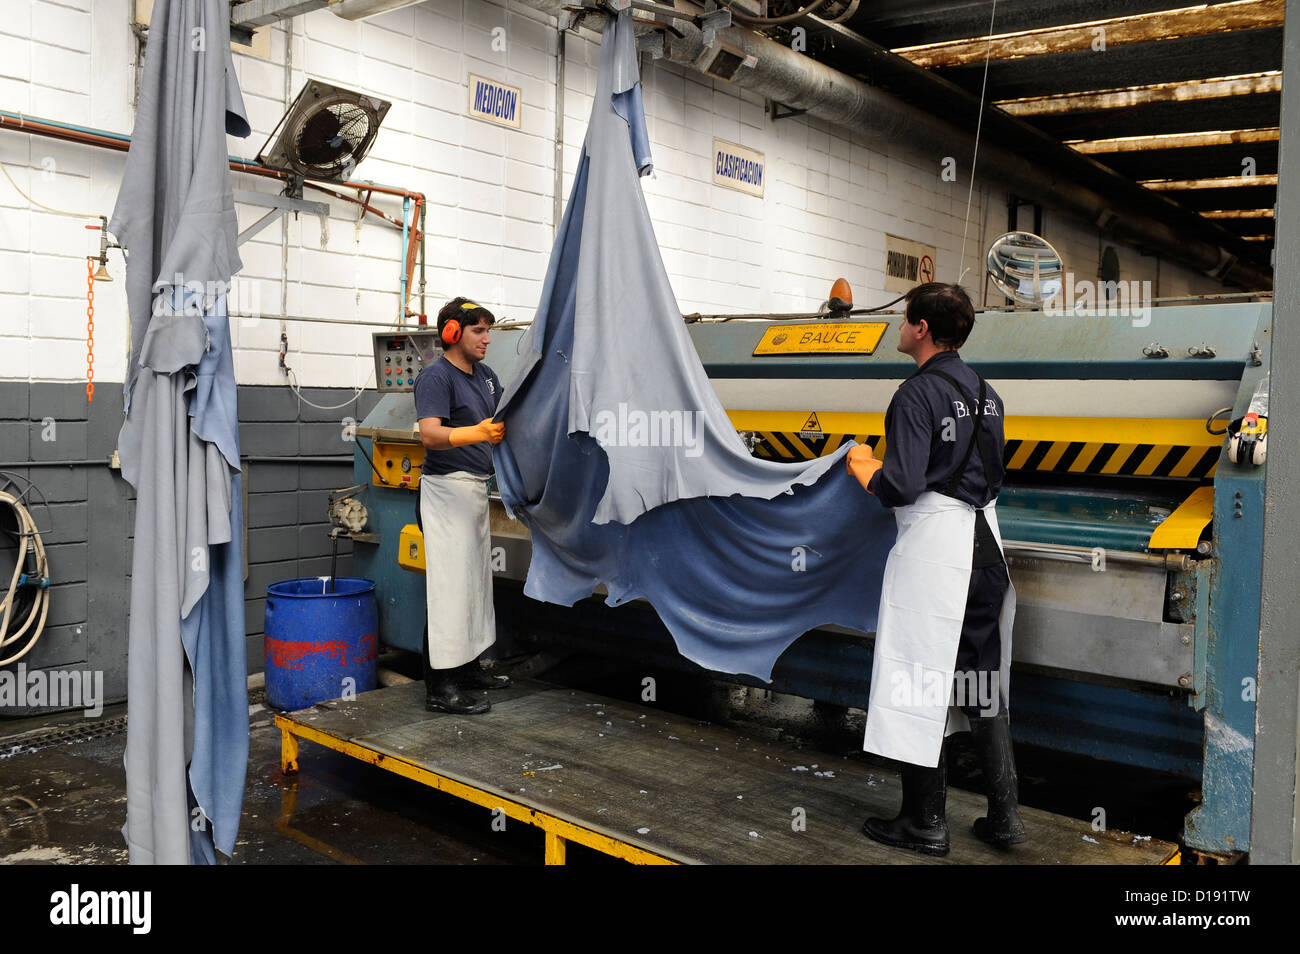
(293, 386)
(867, 311)
(382, 478)
(30, 584)
(41, 205)
(979, 124)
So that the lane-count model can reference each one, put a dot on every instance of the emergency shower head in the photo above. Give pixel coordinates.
(326, 132)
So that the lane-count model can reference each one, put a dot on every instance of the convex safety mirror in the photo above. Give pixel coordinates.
(1026, 268)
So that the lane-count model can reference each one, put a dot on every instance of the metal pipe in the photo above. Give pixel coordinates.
(406, 233)
(70, 132)
(557, 206)
(803, 83)
(793, 79)
(1275, 799)
(424, 311)
(106, 461)
(1073, 554)
(89, 135)
(360, 9)
(283, 459)
(320, 321)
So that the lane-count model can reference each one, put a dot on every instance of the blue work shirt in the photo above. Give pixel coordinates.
(927, 427)
(460, 400)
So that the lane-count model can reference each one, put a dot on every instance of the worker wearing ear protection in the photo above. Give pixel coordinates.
(456, 397)
(943, 635)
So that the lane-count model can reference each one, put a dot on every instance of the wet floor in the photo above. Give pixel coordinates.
(64, 802)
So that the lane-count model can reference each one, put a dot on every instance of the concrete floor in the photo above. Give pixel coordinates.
(64, 803)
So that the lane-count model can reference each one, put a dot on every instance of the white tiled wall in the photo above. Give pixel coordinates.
(828, 203)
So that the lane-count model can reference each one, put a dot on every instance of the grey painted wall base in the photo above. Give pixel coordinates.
(86, 510)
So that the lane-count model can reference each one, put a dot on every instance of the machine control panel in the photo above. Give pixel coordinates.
(401, 356)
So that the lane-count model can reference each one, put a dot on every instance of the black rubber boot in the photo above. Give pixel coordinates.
(442, 693)
(992, 740)
(921, 824)
(474, 676)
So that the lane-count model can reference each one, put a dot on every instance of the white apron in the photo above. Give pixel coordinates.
(458, 569)
(922, 605)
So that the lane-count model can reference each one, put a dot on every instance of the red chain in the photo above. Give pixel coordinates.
(90, 330)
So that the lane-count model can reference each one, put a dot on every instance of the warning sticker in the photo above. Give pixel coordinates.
(811, 427)
(906, 263)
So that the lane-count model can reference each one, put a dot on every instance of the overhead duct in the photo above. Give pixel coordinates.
(722, 61)
(798, 81)
(793, 79)
(360, 9)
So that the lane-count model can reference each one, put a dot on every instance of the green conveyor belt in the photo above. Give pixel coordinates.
(1083, 517)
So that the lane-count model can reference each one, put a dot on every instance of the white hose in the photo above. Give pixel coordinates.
(28, 539)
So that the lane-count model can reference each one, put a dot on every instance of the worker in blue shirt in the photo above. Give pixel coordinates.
(943, 638)
(456, 398)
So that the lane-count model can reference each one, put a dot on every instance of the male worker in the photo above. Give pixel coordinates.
(455, 400)
(944, 629)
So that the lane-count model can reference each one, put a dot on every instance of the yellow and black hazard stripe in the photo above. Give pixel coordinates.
(1122, 447)
(776, 445)
(1062, 457)
(1111, 459)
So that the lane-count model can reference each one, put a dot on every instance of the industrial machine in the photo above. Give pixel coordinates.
(1132, 538)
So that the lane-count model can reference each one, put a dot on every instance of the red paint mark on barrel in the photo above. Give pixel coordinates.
(286, 654)
(367, 649)
(293, 654)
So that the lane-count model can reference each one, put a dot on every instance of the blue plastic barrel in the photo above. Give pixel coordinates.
(319, 644)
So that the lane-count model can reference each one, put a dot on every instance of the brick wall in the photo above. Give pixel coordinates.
(829, 203)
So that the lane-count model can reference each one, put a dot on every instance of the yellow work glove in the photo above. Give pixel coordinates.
(861, 464)
(484, 430)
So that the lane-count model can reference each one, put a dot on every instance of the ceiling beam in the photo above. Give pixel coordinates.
(896, 23)
(1219, 182)
(1174, 141)
(1186, 59)
(1239, 214)
(1199, 20)
(1225, 86)
(1163, 119)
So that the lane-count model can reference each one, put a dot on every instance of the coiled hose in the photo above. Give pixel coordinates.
(28, 596)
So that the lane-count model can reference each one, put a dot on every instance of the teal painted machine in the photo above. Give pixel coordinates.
(1133, 540)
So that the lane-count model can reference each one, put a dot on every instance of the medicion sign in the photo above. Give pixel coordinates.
(494, 102)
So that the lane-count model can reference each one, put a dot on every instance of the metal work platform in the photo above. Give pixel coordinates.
(654, 788)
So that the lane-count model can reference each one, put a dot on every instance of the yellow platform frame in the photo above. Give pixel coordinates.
(559, 832)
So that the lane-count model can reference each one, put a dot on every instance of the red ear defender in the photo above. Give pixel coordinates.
(451, 331)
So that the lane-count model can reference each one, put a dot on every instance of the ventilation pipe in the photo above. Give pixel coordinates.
(779, 73)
